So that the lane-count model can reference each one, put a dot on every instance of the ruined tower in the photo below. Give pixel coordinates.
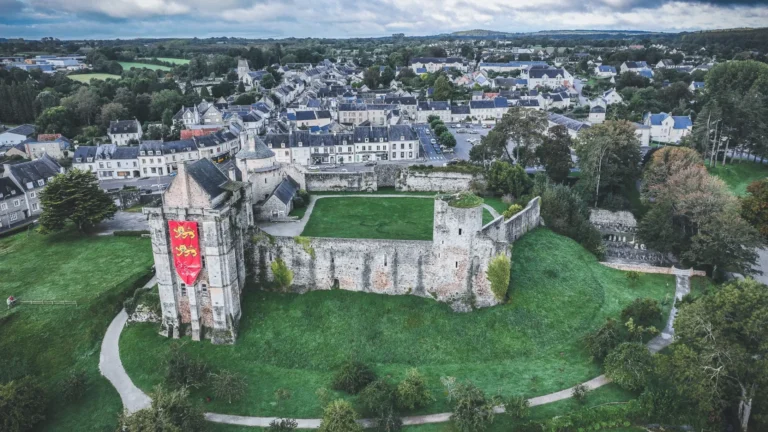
(214, 213)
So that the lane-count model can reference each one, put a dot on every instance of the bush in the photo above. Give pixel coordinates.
(472, 410)
(565, 213)
(498, 274)
(629, 365)
(182, 370)
(378, 397)
(603, 340)
(22, 405)
(632, 277)
(339, 416)
(283, 276)
(512, 210)
(228, 385)
(170, 411)
(283, 425)
(579, 393)
(352, 377)
(643, 311)
(73, 387)
(413, 392)
(518, 407)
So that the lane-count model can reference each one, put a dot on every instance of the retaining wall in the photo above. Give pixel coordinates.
(341, 181)
(421, 181)
(512, 229)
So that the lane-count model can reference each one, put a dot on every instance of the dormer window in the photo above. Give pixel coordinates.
(40, 182)
(366, 140)
(78, 160)
(301, 144)
(143, 153)
(30, 185)
(402, 138)
(90, 159)
(173, 150)
(270, 145)
(344, 142)
(381, 139)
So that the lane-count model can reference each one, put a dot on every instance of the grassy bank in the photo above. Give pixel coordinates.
(739, 175)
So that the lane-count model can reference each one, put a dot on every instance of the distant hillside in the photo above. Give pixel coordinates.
(480, 33)
(555, 34)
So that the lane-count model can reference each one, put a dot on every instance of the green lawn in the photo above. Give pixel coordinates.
(174, 60)
(530, 346)
(487, 216)
(49, 342)
(129, 65)
(298, 212)
(739, 175)
(375, 218)
(86, 78)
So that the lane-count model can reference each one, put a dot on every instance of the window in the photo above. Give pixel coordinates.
(32, 194)
(142, 153)
(410, 154)
(89, 159)
(410, 145)
(459, 231)
(154, 170)
(183, 291)
(394, 155)
(109, 164)
(14, 216)
(35, 207)
(366, 140)
(402, 146)
(402, 154)
(145, 170)
(30, 185)
(16, 203)
(3, 206)
(78, 160)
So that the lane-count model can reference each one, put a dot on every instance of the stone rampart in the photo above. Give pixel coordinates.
(654, 269)
(386, 174)
(364, 181)
(439, 181)
(512, 229)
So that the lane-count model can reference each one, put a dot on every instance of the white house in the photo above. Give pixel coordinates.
(605, 71)
(17, 134)
(635, 67)
(666, 128)
(440, 109)
(121, 132)
(597, 114)
(547, 77)
(434, 64)
(696, 85)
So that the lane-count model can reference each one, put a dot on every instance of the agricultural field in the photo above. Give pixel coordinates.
(374, 218)
(129, 65)
(173, 60)
(51, 342)
(86, 78)
(529, 346)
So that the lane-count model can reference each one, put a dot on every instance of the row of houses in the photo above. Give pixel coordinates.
(156, 158)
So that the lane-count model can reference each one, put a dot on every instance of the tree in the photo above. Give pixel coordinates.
(413, 391)
(22, 405)
(371, 77)
(666, 162)
(498, 275)
(629, 365)
(112, 111)
(76, 197)
(165, 100)
(440, 129)
(504, 178)
(268, 81)
(204, 93)
(565, 213)
(643, 311)
(45, 100)
(85, 104)
(603, 340)
(283, 425)
(754, 206)
(443, 89)
(339, 416)
(352, 377)
(245, 99)
(609, 157)
(170, 411)
(725, 241)
(447, 139)
(725, 332)
(525, 128)
(387, 76)
(555, 153)
(472, 410)
(240, 87)
(56, 120)
(228, 385)
(492, 146)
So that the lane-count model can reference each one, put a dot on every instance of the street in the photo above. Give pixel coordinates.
(432, 152)
(462, 144)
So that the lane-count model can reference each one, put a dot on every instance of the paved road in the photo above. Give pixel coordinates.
(123, 221)
(462, 145)
(431, 152)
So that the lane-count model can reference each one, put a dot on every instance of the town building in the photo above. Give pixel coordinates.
(21, 199)
(667, 128)
(124, 132)
(434, 64)
(17, 135)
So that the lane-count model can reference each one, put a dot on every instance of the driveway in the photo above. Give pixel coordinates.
(123, 221)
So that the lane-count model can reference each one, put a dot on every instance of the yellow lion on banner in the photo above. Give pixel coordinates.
(185, 251)
(183, 234)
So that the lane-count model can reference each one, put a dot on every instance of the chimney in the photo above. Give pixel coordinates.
(232, 174)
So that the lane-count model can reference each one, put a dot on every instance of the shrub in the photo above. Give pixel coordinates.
(170, 411)
(472, 410)
(378, 397)
(228, 385)
(518, 407)
(339, 416)
(512, 210)
(565, 213)
(352, 377)
(283, 276)
(505, 178)
(22, 405)
(603, 340)
(643, 311)
(498, 274)
(632, 277)
(182, 370)
(579, 393)
(73, 386)
(283, 425)
(629, 365)
(413, 392)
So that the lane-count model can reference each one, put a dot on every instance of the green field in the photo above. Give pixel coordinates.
(374, 218)
(174, 60)
(739, 175)
(50, 341)
(530, 346)
(129, 65)
(86, 78)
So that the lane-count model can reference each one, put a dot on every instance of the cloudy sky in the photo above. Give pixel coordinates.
(100, 19)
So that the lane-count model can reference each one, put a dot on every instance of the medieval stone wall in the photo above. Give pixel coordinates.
(340, 181)
(419, 181)
(386, 174)
(512, 229)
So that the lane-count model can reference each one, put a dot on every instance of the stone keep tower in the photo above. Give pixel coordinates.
(209, 307)
(242, 68)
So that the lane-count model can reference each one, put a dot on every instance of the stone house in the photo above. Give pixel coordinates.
(121, 132)
(31, 178)
(13, 205)
(58, 147)
(108, 161)
(280, 202)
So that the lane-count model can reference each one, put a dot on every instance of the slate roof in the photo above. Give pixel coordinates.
(597, 109)
(434, 106)
(481, 104)
(528, 102)
(698, 84)
(539, 73)
(25, 129)
(210, 178)
(286, 190)
(305, 115)
(400, 100)
(682, 122)
(123, 126)
(8, 188)
(569, 123)
(32, 171)
(405, 131)
(261, 151)
(646, 73)
(460, 109)
(606, 68)
(637, 65)
(437, 60)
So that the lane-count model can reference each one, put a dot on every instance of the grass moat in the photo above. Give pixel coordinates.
(529, 346)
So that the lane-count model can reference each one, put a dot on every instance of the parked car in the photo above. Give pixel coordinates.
(313, 167)
(451, 162)
(433, 141)
(370, 163)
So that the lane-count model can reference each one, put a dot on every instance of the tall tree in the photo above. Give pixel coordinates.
(555, 153)
(443, 89)
(526, 129)
(76, 197)
(609, 157)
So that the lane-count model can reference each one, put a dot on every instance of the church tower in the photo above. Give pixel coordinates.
(242, 68)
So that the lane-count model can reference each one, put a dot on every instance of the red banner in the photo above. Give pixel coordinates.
(185, 247)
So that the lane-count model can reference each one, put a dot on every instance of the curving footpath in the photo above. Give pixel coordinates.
(134, 399)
